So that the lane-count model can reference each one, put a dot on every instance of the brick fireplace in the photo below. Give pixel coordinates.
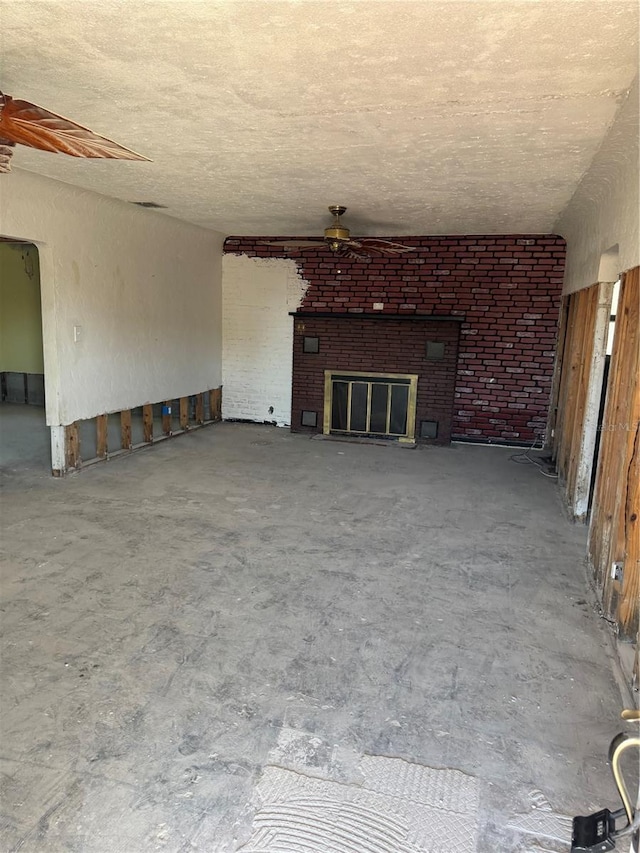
(363, 350)
(503, 291)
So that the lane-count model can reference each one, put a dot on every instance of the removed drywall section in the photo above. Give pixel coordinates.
(580, 391)
(109, 435)
(20, 312)
(131, 299)
(257, 337)
(614, 543)
(604, 210)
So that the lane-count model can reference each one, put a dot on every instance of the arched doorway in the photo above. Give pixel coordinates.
(24, 436)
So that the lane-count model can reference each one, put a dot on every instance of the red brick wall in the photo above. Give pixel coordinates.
(507, 289)
(376, 346)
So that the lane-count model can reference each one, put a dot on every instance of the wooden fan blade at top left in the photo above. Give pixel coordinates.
(31, 125)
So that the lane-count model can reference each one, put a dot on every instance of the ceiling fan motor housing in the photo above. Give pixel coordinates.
(336, 233)
(338, 240)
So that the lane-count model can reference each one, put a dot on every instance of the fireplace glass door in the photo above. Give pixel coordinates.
(374, 405)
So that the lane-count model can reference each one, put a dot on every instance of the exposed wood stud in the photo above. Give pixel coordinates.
(563, 327)
(125, 429)
(613, 534)
(72, 435)
(72, 446)
(147, 422)
(568, 369)
(630, 593)
(215, 399)
(585, 343)
(102, 422)
(576, 356)
(184, 413)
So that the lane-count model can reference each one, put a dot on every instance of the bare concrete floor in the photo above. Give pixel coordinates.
(168, 616)
(25, 438)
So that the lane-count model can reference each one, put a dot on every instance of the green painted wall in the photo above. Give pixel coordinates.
(20, 310)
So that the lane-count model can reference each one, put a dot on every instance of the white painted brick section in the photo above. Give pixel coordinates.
(257, 337)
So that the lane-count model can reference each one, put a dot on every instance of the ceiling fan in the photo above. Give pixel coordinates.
(31, 125)
(338, 239)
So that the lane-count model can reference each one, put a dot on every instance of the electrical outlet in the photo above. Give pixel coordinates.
(616, 571)
(77, 334)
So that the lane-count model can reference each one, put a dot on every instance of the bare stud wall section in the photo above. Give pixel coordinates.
(614, 534)
(108, 435)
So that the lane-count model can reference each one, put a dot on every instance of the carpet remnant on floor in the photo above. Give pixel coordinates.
(394, 806)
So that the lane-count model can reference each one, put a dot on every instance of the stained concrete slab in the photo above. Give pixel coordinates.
(168, 615)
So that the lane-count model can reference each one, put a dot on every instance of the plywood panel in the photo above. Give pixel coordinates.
(614, 534)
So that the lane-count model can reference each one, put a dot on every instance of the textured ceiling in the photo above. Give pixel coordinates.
(423, 117)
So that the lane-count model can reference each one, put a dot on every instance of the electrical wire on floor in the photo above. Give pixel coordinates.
(526, 459)
(597, 609)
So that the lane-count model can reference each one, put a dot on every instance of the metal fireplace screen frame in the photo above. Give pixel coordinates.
(375, 405)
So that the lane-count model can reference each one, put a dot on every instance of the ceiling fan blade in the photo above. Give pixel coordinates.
(36, 127)
(355, 255)
(386, 247)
